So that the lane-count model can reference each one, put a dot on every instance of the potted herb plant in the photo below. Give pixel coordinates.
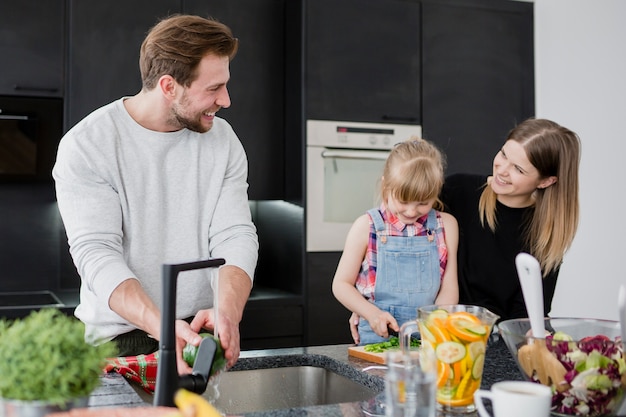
(46, 365)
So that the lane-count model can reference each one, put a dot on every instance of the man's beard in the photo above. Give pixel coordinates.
(194, 124)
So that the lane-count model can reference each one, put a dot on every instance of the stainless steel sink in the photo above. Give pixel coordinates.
(286, 387)
(286, 381)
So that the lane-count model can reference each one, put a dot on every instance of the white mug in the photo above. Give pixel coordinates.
(515, 399)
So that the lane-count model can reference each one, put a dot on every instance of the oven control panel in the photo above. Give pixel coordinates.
(358, 135)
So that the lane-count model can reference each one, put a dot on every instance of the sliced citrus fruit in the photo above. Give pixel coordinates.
(439, 313)
(458, 373)
(461, 391)
(443, 373)
(426, 335)
(464, 315)
(440, 333)
(401, 392)
(466, 330)
(449, 402)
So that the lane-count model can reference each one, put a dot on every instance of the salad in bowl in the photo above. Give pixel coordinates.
(588, 377)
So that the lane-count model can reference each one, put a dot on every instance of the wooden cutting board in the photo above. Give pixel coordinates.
(359, 352)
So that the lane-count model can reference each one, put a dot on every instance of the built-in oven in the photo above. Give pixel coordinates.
(345, 163)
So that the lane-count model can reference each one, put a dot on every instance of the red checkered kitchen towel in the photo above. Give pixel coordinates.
(141, 369)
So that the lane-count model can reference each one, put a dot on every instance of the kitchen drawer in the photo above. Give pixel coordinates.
(272, 323)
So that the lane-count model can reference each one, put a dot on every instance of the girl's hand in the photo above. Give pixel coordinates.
(354, 327)
(382, 322)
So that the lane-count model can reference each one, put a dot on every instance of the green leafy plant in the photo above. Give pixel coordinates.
(44, 357)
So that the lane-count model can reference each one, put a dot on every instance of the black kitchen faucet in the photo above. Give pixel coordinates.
(168, 380)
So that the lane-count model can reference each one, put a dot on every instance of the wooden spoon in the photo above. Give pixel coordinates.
(621, 304)
(534, 357)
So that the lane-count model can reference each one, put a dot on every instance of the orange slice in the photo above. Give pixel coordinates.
(462, 391)
(464, 315)
(466, 330)
(443, 373)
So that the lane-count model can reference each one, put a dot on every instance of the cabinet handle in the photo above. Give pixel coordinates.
(18, 87)
(13, 117)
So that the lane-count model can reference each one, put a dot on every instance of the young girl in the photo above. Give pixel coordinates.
(402, 255)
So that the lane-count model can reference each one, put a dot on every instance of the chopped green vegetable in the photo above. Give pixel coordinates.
(392, 343)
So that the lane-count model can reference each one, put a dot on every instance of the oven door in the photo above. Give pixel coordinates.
(342, 184)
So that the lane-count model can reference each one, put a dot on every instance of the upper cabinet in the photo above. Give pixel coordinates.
(256, 86)
(363, 60)
(477, 77)
(463, 69)
(105, 38)
(104, 42)
(32, 47)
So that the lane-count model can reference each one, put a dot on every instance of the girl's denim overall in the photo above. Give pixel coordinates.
(407, 274)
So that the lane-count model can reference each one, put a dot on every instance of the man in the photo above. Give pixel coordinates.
(157, 178)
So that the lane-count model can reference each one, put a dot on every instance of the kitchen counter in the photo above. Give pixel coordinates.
(499, 365)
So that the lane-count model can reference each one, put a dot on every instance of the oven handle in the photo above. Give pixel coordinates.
(355, 154)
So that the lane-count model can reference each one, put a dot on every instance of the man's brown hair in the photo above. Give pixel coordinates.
(177, 44)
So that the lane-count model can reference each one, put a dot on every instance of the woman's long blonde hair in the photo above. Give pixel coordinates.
(555, 151)
(414, 171)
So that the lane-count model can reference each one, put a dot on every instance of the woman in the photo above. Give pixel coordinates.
(528, 204)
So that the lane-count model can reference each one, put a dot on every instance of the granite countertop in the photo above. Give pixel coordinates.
(499, 365)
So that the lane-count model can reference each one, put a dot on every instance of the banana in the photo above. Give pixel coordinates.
(191, 404)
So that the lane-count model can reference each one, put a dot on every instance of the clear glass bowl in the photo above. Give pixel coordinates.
(589, 354)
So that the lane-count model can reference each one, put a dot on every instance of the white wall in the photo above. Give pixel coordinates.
(580, 61)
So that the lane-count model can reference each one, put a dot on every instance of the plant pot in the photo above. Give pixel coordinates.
(19, 408)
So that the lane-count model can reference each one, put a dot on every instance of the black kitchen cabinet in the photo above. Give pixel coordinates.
(256, 86)
(104, 42)
(272, 321)
(478, 77)
(32, 46)
(29, 257)
(363, 60)
(105, 38)
(326, 318)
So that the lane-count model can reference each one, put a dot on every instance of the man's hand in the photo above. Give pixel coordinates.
(234, 290)
(228, 332)
(184, 334)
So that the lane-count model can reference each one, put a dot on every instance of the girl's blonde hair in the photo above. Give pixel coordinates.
(414, 171)
(555, 151)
